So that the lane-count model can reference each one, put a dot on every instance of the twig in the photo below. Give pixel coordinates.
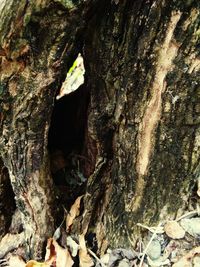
(95, 256)
(152, 229)
(189, 214)
(145, 251)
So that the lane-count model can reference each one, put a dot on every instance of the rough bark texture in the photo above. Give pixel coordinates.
(143, 73)
(36, 38)
(142, 136)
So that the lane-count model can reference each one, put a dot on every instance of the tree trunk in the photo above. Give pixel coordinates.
(39, 40)
(143, 115)
(142, 132)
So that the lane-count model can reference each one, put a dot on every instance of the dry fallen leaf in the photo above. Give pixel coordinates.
(186, 261)
(84, 258)
(33, 263)
(73, 246)
(158, 262)
(16, 261)
(57, 255)
(192, 226)
(74, 212)
(174, 230)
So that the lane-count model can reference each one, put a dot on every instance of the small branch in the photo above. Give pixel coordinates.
(146, 249)
(188, 215)
(159, 230)
(95, 256)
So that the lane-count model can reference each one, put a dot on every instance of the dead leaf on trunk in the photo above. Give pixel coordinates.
(74, 212)
(84, 258)
(55, 256)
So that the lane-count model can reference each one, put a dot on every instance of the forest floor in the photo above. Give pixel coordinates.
(172, 243)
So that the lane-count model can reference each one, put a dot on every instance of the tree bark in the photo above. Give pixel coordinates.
(143, 115)
(142, 135)
(38, 40)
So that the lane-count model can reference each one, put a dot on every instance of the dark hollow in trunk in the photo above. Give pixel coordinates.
(7, 203)
(66, 143)
(67, 128)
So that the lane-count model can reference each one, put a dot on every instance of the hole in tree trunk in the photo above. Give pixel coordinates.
(66, 139)
(7, 202)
